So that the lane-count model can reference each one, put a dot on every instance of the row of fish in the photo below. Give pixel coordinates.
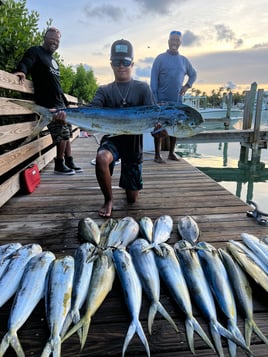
(138, 252)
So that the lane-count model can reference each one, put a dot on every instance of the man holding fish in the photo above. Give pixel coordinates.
(122, 92)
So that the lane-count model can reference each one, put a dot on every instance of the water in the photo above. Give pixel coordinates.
(248, 181)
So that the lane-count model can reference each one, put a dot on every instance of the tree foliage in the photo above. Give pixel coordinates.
(84, 85)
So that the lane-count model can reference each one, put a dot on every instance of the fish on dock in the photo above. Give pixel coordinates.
(171, 273)
(146, 228)
(220, 285)
(58, 302)
(132, 290)
(200, 292)
(146, 268)
(243, 294)
(123, 233)
(178, 120)
(30, 292)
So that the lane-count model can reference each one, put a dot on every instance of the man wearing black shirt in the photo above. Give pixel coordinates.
(38, 61)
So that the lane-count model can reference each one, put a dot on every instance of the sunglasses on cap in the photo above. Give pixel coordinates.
(118, 62)
(175, 33)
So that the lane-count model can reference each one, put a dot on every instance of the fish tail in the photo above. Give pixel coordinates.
(66, 325)
(135, 326)
(190, 334)
(259, 333)
(15, 343)
(56, 352)
(237, 333)
(248, 331)
(216, 335)
(202, 333)
(5, 344)
(152, 312)
(85, 329)
(73, 330)
(47, 350)
(166, 315)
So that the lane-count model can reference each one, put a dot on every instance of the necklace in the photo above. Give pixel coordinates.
(124, 102)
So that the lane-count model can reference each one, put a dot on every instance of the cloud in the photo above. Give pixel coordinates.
(224, 33)
(115, 13)
(156, 6)
(190, 39)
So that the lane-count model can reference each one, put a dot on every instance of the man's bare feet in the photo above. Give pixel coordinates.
(159, 160)
(173, 157)
(106, 209)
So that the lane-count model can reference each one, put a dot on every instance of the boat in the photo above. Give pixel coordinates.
(215, 118)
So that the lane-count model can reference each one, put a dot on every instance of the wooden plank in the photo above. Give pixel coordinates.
(11, 81)
(9, 133)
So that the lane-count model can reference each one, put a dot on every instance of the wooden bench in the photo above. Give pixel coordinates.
(16, 124)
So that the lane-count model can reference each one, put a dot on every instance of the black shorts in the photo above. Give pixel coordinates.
(60, 132)
(131, 172)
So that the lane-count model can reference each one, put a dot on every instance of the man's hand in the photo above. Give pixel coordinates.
(59, 116)
(21, 76)
(159, 132)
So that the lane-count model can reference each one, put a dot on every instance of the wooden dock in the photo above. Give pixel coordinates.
(50, 217)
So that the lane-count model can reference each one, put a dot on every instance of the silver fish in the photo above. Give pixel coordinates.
(146, 228)
(178, 120)
(132, 290)
(6, 252)
(243, 295)
(146, 268)
(200, 291)
(251, 255)
(172, 275)
(188, 229)
(100, 285)
(248, 265)
(88, 230)
(10, 279)
(29, 293)
(58, 302)
(84, 257)
(220, 285)
(257, 246)
(124, 232)
(162, 229)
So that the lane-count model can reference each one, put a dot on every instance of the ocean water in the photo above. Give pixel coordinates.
(247, 178)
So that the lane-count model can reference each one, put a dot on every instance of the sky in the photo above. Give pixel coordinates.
(225, 40)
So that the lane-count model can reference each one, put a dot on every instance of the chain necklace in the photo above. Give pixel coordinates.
(124, 102)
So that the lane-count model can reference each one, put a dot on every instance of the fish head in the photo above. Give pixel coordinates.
(186, 121)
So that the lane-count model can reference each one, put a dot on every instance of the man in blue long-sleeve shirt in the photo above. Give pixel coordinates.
(167, 83)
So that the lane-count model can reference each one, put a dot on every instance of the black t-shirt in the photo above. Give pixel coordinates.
(44, 70)
(134, 93)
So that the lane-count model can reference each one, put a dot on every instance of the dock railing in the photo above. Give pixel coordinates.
(16, 124)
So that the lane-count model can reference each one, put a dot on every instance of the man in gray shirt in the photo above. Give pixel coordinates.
(167, 83)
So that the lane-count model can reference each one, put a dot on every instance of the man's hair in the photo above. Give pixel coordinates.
(52, 29)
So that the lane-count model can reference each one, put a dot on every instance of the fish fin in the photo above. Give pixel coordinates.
(130, 333)
(84, 333)
(56, 350)
(66, 325)
(259, 333)
(166, 315)
(202, 333)
(248, 331)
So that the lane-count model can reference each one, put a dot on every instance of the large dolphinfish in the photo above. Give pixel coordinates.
(178, 120)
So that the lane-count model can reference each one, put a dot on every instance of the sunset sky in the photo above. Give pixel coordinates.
(226, 41)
